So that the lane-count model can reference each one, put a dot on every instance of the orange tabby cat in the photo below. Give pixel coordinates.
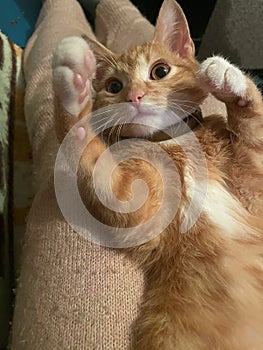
(204, 287)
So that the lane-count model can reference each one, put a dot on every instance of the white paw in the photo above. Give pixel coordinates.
(73, 69)
(222, 77)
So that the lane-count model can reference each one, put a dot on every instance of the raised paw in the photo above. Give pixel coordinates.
(73, 68)
(223, 79)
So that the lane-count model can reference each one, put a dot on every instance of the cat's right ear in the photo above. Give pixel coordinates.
(104, 56)
(172, 29)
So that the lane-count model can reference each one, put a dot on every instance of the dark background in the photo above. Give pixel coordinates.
(197, 13)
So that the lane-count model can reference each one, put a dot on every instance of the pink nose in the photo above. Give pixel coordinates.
(135, 97)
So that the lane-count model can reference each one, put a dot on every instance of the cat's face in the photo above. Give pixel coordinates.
(149, 79)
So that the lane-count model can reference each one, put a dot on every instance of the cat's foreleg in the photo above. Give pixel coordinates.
(243, 102)
(73, 67)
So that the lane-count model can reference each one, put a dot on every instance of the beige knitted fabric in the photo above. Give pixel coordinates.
(122, 26)
(71, 294)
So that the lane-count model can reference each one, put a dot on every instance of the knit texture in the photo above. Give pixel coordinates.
(71, 294)
(120, 25)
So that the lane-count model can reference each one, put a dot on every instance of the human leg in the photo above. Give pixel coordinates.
(120, 25)
(71, 294)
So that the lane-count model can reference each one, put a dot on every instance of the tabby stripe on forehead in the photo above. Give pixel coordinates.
(1, 53)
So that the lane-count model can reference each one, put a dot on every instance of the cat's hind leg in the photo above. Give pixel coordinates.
(73, 67)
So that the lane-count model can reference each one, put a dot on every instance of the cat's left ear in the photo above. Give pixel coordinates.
(172, 29)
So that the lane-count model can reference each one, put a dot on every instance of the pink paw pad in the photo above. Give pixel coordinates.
(81, 85)
(74, 66)
(242, 103)
(78, 81)
(226, 87)
(89, 61)
(81, 133)
(85, 92)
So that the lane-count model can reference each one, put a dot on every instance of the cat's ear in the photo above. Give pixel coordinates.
(172, 29)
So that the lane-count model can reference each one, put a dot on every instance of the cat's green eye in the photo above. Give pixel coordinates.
(159, 71)
(114, 86)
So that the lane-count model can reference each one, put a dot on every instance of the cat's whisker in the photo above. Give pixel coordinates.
(108, 124)
(185, 108)
(184, 103)
(119, 132)
(110, 134)
(188, 105)
(197, 120)
(108, 118)
(99, 128)
(119, 126)
(174, 127)
(103, 126)
(192, 106)
(102, 111)
(106, 59)
(178, 107)
(180, 89)
(110, 60)
(112, 128)
(94, 123)
(187, 101)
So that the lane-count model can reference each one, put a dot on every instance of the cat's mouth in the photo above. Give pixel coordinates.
(190, 122)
